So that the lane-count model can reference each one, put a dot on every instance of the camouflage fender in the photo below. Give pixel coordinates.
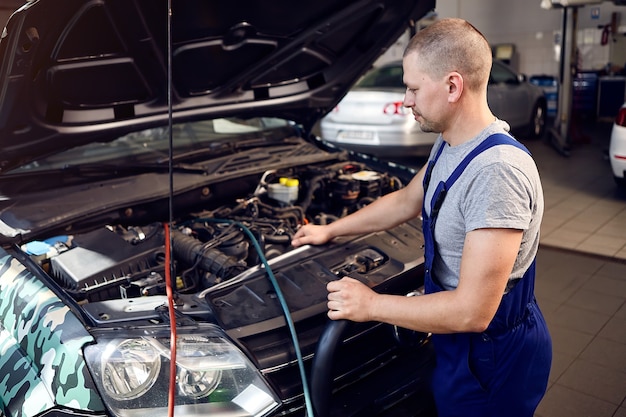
(41, 341)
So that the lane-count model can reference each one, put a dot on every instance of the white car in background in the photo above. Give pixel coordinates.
(617, 147)
(372, 119)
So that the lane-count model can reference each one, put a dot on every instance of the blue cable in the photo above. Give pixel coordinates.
(283, 304)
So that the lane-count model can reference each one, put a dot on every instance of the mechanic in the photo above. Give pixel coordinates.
(481, 201)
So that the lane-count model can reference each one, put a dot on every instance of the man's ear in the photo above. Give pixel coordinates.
(455, 87)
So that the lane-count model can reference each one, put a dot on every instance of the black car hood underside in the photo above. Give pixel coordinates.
(77, 71)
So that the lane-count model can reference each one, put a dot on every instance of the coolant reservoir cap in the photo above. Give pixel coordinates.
(366, 175)
(288, 182)
(292, 182)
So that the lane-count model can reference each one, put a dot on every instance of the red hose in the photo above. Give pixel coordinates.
(171, 397)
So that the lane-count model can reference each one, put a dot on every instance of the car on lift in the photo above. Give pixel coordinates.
(371, 117)
(617, 147)
(156, 159)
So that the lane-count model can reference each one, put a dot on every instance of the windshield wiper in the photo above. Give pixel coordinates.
(213, 150)
(131, 169)
(107, 170)
(216, 150)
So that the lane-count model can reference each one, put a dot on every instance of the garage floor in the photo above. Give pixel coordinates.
(581, 280)
(584, 301)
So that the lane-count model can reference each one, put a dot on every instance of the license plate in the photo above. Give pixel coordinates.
(356, 135)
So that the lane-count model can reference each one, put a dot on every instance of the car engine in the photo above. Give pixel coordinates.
(211, 247)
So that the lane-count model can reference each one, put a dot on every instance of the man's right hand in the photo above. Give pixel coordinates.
(311, 234)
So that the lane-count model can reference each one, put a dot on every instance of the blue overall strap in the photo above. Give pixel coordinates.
(489, 142)
(431, 165)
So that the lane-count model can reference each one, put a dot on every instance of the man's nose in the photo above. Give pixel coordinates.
(409, 98)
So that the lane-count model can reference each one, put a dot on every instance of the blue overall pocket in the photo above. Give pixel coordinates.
(481, 360)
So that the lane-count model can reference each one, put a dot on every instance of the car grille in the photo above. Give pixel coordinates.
(372, 371)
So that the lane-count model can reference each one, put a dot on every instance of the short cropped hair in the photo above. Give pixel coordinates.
(453, 45)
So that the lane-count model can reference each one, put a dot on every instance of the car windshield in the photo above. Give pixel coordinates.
(152, 145)
(500, 74)
(383, 77)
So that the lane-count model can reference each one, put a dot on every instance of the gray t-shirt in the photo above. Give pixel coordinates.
(500, 188)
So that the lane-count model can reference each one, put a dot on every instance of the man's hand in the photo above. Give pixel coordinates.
(349, 299)
(311, 234)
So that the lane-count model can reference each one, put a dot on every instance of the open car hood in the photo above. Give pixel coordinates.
(77, 71)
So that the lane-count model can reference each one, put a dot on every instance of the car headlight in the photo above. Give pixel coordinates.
(131, 369)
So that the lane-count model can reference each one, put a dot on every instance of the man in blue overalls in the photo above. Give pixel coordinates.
(481, 201)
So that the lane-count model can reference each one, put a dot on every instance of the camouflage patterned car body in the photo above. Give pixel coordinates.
(41, 343)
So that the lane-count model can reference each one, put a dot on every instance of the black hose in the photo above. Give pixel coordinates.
(322, 366)
(314, 185)
(211, 260)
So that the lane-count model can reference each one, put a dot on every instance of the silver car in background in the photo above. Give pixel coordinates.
(371, 118)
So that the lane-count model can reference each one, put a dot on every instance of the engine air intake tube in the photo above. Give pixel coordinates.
(212, 260)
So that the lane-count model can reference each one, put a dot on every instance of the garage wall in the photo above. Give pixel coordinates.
(532, 29)
(536, 32)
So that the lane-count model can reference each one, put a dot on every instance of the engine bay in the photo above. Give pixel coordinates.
(217, 243)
